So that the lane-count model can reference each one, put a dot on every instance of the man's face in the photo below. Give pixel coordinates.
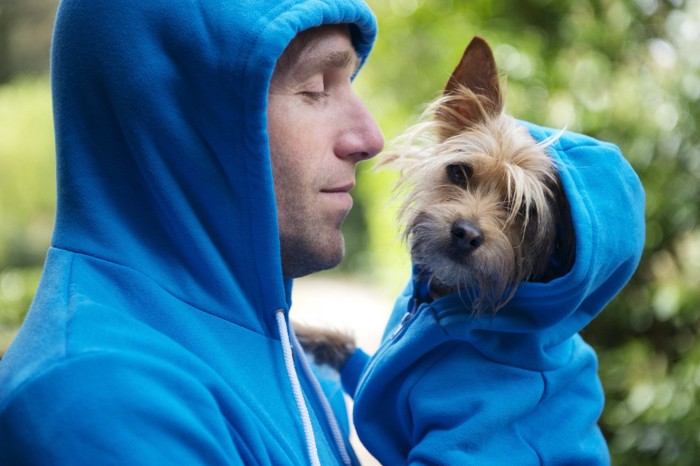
(319, 130)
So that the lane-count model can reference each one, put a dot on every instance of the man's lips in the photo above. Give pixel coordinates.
(339, 196)
(339, 189)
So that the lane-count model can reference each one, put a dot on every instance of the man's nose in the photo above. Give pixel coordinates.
(362, 138)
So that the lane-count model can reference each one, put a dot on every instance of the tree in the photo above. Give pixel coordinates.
(6, 20)
(25, 36)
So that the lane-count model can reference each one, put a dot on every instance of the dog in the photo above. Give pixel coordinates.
(483, 206)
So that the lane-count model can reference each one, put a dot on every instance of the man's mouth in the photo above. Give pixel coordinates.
(340, 195)
(340, 189)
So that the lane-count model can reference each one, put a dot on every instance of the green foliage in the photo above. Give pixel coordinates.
(27, 194)
(626, 71)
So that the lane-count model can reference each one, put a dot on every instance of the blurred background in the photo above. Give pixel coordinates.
(626, 71)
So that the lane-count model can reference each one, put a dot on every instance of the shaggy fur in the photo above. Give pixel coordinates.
(327, 346)
(481, 195)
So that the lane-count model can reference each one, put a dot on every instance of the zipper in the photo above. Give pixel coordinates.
(406, 319)
(400, 330)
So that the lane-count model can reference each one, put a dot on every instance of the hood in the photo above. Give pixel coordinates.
(162, 150)
(606, 200)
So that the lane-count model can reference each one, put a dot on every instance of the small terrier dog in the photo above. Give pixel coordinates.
(484, 209)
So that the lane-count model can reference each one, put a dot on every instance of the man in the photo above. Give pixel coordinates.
(313, 112)
(193, 186)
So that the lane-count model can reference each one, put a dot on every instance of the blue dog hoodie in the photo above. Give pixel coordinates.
(519, 387)
(158, 333)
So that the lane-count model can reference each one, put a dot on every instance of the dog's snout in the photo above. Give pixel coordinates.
(466, 237)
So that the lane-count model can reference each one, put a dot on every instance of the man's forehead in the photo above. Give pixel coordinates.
(320, 48)
(329, 57)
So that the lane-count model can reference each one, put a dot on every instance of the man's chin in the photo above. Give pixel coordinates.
(305, 261)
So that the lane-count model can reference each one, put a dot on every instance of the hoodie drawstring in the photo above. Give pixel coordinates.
(296, 389)
(325, 404)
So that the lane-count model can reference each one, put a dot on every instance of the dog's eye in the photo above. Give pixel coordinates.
(459, 174)
(529, 212)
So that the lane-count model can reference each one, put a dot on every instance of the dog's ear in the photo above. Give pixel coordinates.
(476, 71)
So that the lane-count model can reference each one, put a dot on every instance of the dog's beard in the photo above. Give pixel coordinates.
(486, 276)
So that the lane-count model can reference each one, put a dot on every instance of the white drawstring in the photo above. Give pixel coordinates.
(325, 404)
(296, 389)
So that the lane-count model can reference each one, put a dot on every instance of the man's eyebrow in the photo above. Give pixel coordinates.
(337, 59)
(342, 59)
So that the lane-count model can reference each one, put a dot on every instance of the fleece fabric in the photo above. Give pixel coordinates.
(519, 387)
(153, 337)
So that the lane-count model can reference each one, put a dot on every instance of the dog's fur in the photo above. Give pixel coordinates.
(483, 208)
(484, 198)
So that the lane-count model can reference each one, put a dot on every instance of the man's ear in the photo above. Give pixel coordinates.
(477, 72)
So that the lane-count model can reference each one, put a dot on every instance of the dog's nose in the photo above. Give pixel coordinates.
(466, 236)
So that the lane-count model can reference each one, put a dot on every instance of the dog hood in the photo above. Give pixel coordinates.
(606, 199)
(165, 258)
(512, 379)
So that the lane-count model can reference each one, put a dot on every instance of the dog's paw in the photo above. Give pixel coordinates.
(327, 346)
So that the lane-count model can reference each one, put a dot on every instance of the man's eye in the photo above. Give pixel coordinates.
(459, 174)
(528, 211)
(314, 96)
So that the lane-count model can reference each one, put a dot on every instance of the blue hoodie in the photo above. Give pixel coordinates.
(520, 387)
(158, 332)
